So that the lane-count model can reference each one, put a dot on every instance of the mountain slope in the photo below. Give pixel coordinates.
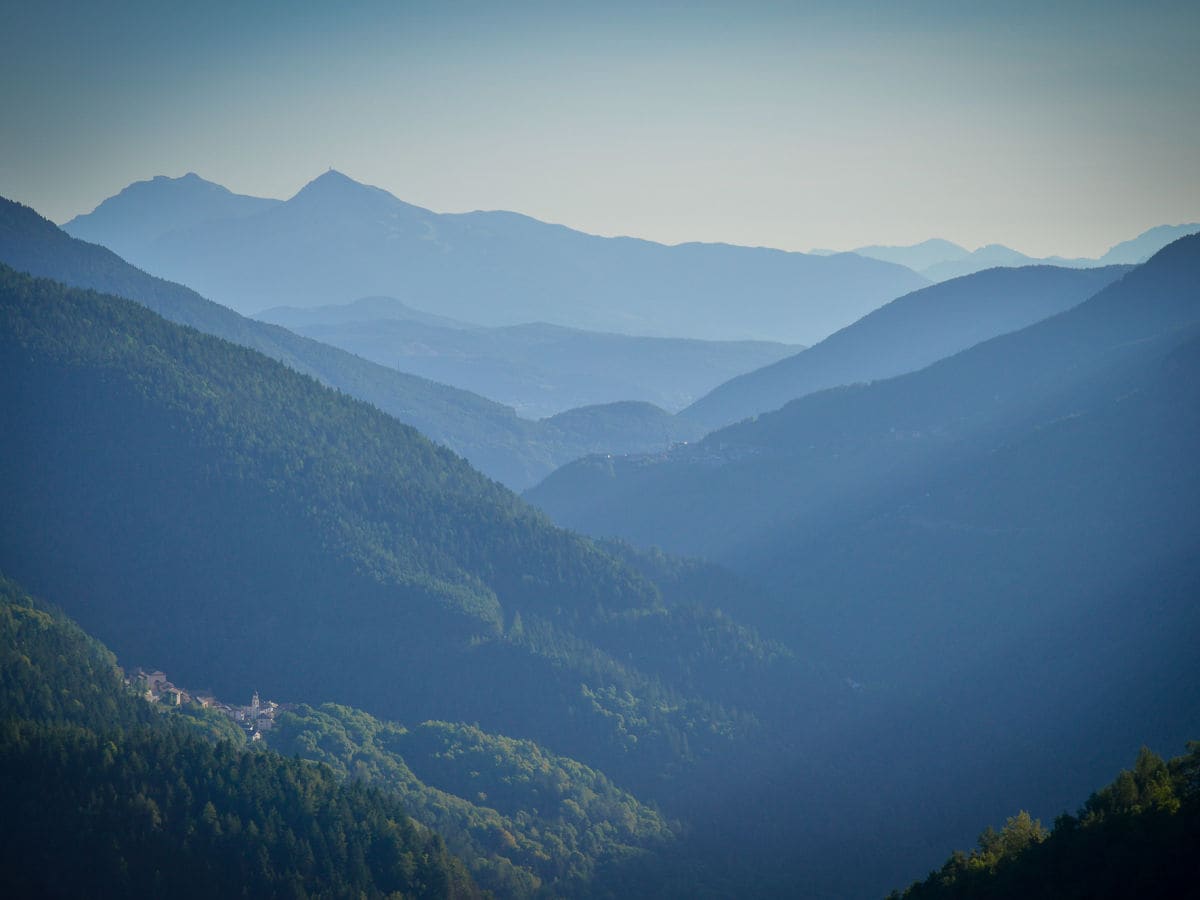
(294, 529)
(907, 334)
(538, 369)
(491, 436)
(337, 240)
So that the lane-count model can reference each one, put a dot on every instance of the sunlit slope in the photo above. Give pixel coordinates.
(106, 796)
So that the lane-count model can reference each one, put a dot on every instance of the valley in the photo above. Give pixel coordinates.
(598, 452)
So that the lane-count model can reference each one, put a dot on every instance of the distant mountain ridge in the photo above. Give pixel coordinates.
(940, 260)
(337, 240)
(538, 369)
(915, 256)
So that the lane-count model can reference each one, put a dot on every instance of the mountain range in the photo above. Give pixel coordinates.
(537, 369)
(337, 240)
(951, 574)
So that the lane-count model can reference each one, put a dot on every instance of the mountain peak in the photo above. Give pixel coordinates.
(333, 176)
(335, 192)
(332, 181)
(188, 178)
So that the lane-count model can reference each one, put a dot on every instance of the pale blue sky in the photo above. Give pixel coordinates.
(1053, 130)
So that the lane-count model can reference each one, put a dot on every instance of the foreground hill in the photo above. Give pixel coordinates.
(907, 334)
(337, 240)
(524, 819)
(105, 797)
(537, 369)
(1135, 838)
(498, 442)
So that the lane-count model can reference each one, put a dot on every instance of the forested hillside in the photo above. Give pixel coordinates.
(107, 797)
(524, 819)
(294, 529)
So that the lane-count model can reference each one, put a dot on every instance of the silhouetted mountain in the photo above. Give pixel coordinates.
(914, 256)
(905, 335)
(504, 446)
(537, 369)
(985, 258)
(1130, 252)
(146, 210)
(337, 240)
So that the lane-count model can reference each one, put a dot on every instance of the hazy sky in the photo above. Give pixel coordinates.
(1051, 127)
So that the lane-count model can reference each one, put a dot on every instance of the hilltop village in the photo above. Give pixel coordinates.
(255, 718)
